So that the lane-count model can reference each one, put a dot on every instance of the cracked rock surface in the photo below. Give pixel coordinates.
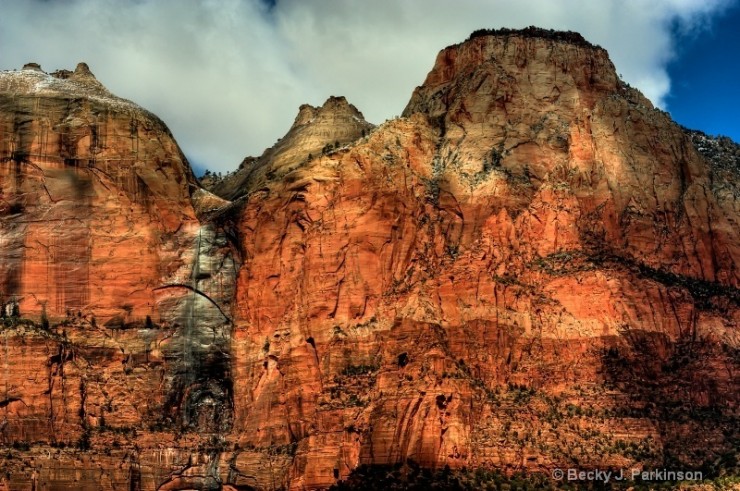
(531, 269)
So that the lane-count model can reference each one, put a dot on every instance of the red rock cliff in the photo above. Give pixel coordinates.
(532, 268)
(90, 184)
(123, 293)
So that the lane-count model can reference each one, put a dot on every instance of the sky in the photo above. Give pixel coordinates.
(228, 76)
(705, 76)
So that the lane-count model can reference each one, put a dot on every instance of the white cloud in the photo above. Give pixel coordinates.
(228, 75)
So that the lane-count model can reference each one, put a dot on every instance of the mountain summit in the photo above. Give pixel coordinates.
(85, 171)
(315, 131)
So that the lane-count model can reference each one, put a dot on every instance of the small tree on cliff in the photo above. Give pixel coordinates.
(44, 319)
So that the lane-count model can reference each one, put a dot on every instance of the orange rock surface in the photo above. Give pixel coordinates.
(123, 293)
(512, 275)
(532, 268)
(90, 184)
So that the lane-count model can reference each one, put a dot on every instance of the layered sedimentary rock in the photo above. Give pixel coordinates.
(315, 131)
(532, 268)
(91, 184)
(564, 117)
(117, 295)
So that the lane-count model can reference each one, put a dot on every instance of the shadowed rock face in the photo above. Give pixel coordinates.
(532, 268)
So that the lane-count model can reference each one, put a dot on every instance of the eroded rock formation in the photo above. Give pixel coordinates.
(532, 268)
(315, 131)
(91, 184)
(123, 292)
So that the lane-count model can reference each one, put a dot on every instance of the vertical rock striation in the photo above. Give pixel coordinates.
(90, 184)
(123, 278)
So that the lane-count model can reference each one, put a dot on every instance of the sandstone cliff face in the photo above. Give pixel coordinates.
(563, 119)
(124, 294)
(90, 184)
(315, 130)
(532, 268)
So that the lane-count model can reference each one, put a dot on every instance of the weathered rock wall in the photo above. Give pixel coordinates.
(532, 268)
(529, 270)
(90, 185)
(123, 278)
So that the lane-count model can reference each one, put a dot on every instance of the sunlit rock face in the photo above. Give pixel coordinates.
(532, 268)
(315, 131)
(95, 199)
(555, 117)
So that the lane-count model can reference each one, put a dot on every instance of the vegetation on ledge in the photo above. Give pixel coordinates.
(537, 32)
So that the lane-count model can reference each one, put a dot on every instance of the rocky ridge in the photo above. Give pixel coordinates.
(532, 268)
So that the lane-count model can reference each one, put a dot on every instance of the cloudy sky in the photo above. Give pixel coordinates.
(227, 76)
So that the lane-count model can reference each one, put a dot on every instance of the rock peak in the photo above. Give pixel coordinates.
(339, 104)
(558, 57)
(306, 113)
(334, 100)
(333, 106)
(83, 69)
(315, 131)
(82, 73)
(32, 66)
